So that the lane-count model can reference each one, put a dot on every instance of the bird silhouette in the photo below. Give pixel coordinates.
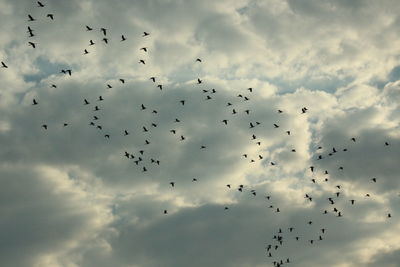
(30, 18)
(51, 16)
(3, 65)
(40, 4)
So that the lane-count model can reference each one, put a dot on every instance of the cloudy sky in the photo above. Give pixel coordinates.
(70, 197)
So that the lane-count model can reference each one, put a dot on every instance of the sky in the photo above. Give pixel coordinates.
(70, 196)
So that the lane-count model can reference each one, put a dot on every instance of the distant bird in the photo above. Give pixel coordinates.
(30, 18)
(105, 40)
(54, 86)
(85, 52)
(51, 16)
(104, 31)
(194, 180)
(182, 138)
(126, 133)
(386, 143)
(44, 126)
(280, 111)
(143, 107)
(250, 89)
(91, 42)
(40, 4)
(165, 212)
(172, 184)
(374, 180)
(86, 102)
(353, 139)
(304, 110)
(123, 38)
(88, 28)
(153, 79)
(144, 49)
(122, 80)
(160, 86)
(30, 31)
(142, 62)
(173, 131)
(225, 121)
(34, 102)
(100, 98)
(182, 102)
(145, 34)
(198, 60)
(3, 65)
(199, 81)
(352, 201)
(276, 125)
(32, 44)
(65, 124)
(389, 215)
(107, 136)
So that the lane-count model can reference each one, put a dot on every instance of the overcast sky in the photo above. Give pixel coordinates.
(70, 197)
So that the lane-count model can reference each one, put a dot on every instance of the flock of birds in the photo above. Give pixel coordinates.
(281, 236)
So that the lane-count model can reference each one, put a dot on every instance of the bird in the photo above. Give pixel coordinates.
(40, 4)
(172, 184)
(165, 212)
(51, 16)
(198, 60)
(86, 102)
(85, 52)
(91, 42)
(386, 143)
(225, 121)
(126, 133)
(182, 102)
(107, 136)
(160, 86)
(122, 80)
(352, 201)
(44, 126)
(144, 49)
(32, 44)
(276, 125)
(105, 40)
(3, 65)
(199, 81)
(123, 38)
(143, 107)
(104, 31)
(54, 86)
(353, 139)
(88, 28)
(153, 79)
(145, 34)
(142, 62)
(30, 18)
(100, 98)
(250, 89)
(34, 102)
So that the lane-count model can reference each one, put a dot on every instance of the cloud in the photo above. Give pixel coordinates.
(72, 198)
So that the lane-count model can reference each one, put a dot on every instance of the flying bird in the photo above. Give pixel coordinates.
(3, 65)
(51, 16)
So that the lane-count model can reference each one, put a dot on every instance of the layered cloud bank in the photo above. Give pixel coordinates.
(77, 194)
